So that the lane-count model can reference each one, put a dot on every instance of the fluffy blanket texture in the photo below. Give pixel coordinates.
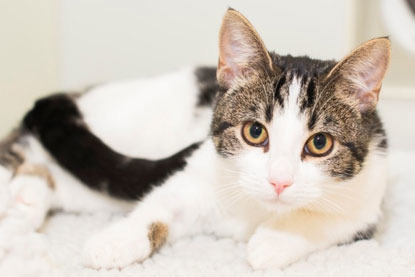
(55, 251)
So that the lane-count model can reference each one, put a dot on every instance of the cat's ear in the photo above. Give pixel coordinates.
(242, 54)
(360, 73)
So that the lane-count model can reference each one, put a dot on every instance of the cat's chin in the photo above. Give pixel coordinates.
(279, 206)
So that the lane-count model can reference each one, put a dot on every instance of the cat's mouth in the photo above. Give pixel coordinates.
(278, 201)
(281, 204)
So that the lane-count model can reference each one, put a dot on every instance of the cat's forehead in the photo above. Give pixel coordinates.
(297, 78)
(294, 86)
(302, 66)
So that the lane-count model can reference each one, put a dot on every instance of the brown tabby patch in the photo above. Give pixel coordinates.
(157, 234)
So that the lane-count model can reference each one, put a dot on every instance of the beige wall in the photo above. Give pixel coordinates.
(400, 80)
(107, 39)
(28, 56)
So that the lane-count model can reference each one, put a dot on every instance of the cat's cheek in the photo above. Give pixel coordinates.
(268, 248)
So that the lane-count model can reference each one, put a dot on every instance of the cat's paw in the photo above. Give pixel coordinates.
(26, 201)
(268, 248)
(117, 247)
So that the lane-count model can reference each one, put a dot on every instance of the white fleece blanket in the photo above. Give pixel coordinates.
(55, 251)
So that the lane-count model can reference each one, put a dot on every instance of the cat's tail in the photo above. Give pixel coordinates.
(58, 124)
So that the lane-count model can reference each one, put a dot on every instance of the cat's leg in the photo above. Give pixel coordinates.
(167, 213)
(280, 242)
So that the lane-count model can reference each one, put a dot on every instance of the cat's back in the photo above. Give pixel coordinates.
(155, 116)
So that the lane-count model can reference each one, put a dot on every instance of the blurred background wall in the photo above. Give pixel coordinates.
(29, 54)
(50, 45)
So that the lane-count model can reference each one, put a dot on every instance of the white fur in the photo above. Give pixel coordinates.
(29, 202)
(5, 176)
(25, 200)
(151, 117)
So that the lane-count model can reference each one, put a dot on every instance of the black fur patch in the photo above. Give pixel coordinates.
(348, 172)
(303, 65)
(58, 124)
(221, 128)
(310, 97)
(328, 120)
(268, 113)
(359, 155)
(312, 121)
(208, 86)
(277, 92)
(383, 143)
(365, 234)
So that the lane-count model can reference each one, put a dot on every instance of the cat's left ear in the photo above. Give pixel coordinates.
(360, 73)
(242, 54)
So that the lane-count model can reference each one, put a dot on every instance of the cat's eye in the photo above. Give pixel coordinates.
(255, 134)
(319, 145)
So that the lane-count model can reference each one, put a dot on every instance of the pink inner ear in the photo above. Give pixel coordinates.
(236, 54)
(241, 51)
(227, 59)
(363, 71)
(368, 99)
(226, 75)
(371, 82)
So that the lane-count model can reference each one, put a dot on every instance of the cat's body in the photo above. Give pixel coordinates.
(276, 193)
(117, 128)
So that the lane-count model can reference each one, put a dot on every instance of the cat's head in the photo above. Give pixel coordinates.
(295, 128)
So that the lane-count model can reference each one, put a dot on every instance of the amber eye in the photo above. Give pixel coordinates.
(319, 145)
(255, 134)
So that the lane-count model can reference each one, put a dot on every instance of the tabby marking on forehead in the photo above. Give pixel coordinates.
(278, 90)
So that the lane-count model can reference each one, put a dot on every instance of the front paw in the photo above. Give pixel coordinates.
(117, 247)
(268, 248)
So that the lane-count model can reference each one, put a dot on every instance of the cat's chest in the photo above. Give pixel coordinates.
(237, 219)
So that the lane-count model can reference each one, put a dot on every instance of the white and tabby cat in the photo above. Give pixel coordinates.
(287, 153)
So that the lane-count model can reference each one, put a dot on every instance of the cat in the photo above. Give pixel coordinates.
(286, 153)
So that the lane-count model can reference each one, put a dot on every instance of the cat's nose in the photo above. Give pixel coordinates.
(280, 186)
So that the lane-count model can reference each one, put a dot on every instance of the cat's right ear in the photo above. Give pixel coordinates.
(360, 73)
(242, 54)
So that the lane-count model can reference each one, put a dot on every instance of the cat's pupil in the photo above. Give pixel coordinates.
(255, 130)
(320, 141)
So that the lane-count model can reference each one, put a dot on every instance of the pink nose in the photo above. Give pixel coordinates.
(280, 186)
